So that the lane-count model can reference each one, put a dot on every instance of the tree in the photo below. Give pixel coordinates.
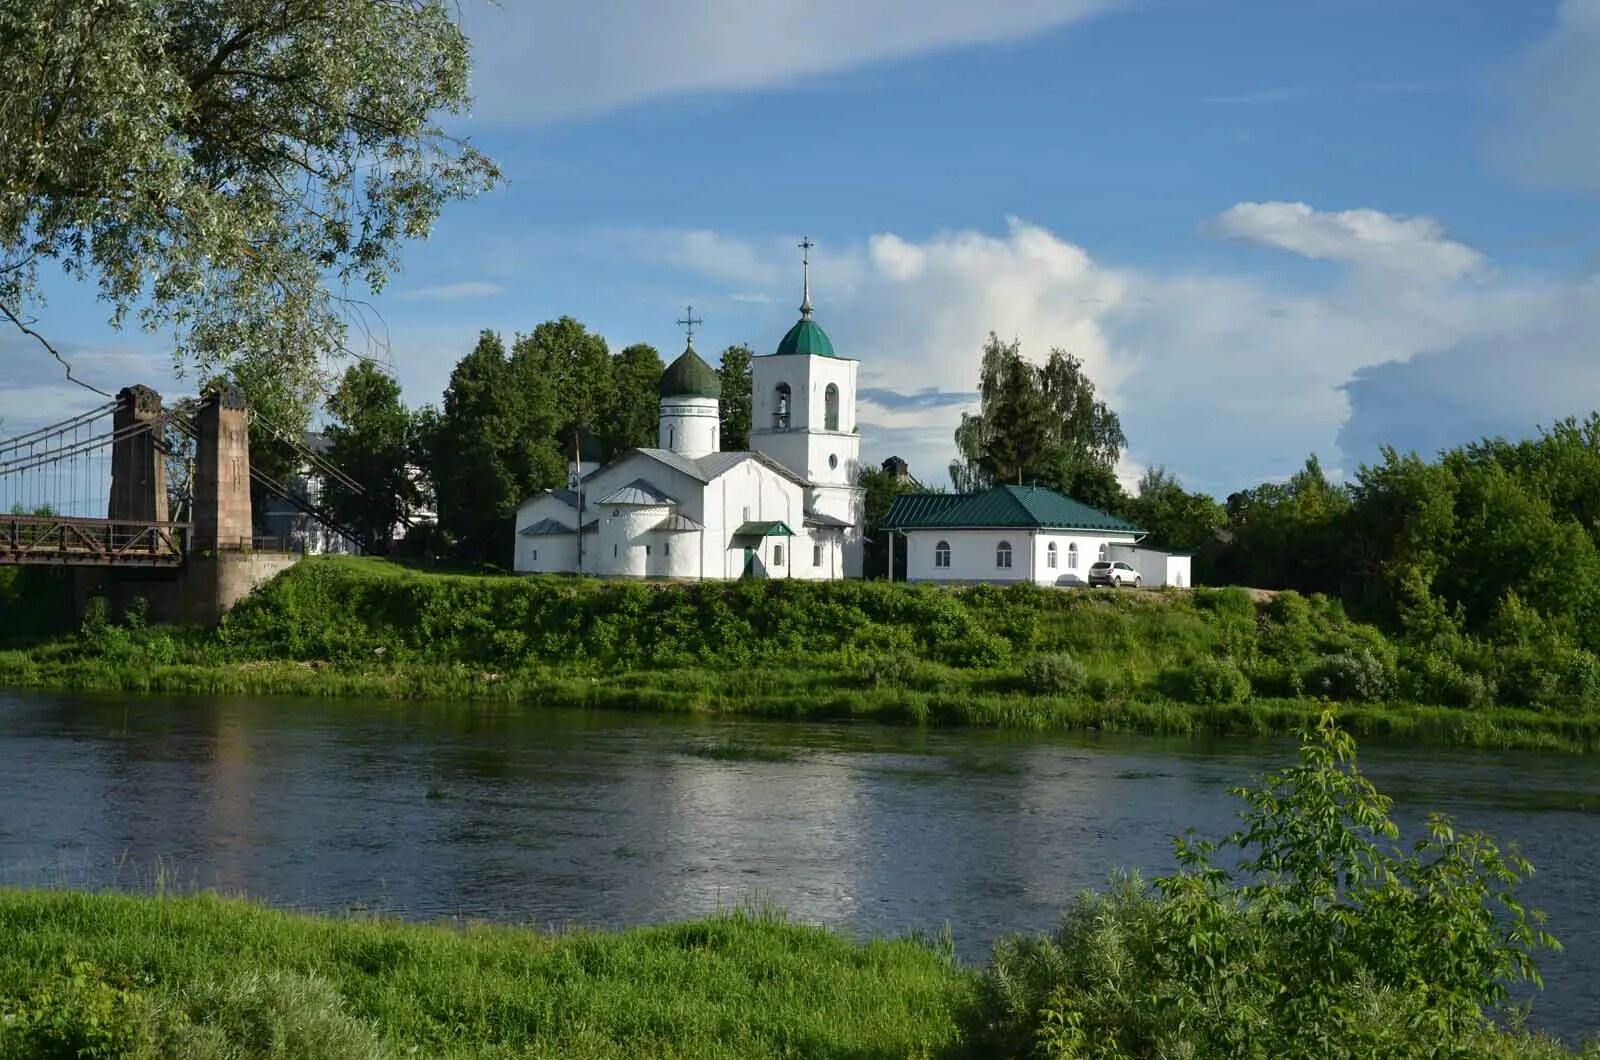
(1038, 424)
(636, 416)
(372, 441)
(576, 365)
(1173, 517)
(489, 451)
(215, 166)
(736, 388)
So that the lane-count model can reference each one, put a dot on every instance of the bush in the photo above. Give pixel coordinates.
(1054, 674)
(1325, 941)
(890, 669)
(1209, 681)
(1352, 675)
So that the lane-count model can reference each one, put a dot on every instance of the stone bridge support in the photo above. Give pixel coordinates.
(138, 465)
(221, 566)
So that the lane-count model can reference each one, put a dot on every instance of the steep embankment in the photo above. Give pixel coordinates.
(1019, 656)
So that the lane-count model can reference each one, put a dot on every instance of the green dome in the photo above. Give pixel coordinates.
(806, 337)
(689, 376)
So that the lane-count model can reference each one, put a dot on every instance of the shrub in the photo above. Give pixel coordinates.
(1324, 941)
(1054, 674)
(887, 669)
(1351, 675)
(1209, 681)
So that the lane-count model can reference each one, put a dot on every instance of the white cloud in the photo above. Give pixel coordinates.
(1550, 133)
(455, 292)
(539, 61)
(1229, 379)
(1413, 247)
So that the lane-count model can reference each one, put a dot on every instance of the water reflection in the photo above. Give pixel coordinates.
(604, 819)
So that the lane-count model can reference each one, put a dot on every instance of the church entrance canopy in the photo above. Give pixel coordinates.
(750, 534)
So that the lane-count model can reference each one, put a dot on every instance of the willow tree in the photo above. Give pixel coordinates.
(220, 168)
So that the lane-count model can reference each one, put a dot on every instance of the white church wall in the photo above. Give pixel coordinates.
(690, 426)
(547, 554)
(627, 539)
(533, 510)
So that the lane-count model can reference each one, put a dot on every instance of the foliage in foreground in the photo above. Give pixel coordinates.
(1324, 941)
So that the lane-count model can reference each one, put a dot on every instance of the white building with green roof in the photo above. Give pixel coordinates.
(1020, 533)
(686, 509)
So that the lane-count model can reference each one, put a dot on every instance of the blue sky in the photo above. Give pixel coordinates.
(1269, 228)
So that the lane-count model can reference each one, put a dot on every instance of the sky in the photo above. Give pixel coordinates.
(1269, 229)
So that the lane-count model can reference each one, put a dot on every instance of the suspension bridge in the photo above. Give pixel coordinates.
(92, 492)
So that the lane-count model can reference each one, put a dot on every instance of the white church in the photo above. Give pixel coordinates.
(687, 509)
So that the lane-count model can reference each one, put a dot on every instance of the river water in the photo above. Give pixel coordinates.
(610, 819)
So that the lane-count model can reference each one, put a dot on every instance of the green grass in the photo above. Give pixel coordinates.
(203, 977)
(1015, 657)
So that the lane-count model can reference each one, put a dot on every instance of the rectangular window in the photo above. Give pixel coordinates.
(536, 555)
(666, 548)
(616, 550)
(777, 555)
(816, 555)
(647, 550)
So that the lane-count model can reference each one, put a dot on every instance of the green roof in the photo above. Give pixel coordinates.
(689, 376)
(1022, 507)
(806, 337)
(772, 528)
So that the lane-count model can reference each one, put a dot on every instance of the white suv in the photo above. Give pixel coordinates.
(1115, 574)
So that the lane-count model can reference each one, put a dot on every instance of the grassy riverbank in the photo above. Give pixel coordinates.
(201, 977)
(1019, 657)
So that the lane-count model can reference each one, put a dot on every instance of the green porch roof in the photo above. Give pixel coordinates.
(773, 528)
(1003, 507)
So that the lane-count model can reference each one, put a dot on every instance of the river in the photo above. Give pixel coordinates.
(607, 819)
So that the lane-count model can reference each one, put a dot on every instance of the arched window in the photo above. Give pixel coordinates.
(1050, 555)
(1002, 555)
(1072, 556)
(1101, 555)
(830, 407)
(941, 554)
(816, 555)
(780, 408)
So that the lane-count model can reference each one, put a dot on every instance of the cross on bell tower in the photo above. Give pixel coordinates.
(805, 246)
(688, 324)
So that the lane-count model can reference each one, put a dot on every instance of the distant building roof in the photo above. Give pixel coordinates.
(826, 522)
(546, 528)
(1023, 507)
(677, 524)
(639, 492)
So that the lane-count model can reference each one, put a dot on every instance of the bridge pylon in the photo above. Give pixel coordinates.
(138, 465)
(222, 518)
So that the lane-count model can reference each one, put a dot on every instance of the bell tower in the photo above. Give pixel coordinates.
(803, 413)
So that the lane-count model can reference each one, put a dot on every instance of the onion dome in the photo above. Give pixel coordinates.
(689, 376)
(806, 338)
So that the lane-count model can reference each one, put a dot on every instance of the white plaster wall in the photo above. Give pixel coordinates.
(1156, 568)
(677, 555)
(749, 491)
(689, 425)
(1089, 546)
(547, 554)
(534, 509)
(625, 534)
(972, 555)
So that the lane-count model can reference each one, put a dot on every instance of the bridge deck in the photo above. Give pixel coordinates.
(60, 541)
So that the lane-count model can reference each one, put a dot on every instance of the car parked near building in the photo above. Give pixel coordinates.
(1114, 573)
